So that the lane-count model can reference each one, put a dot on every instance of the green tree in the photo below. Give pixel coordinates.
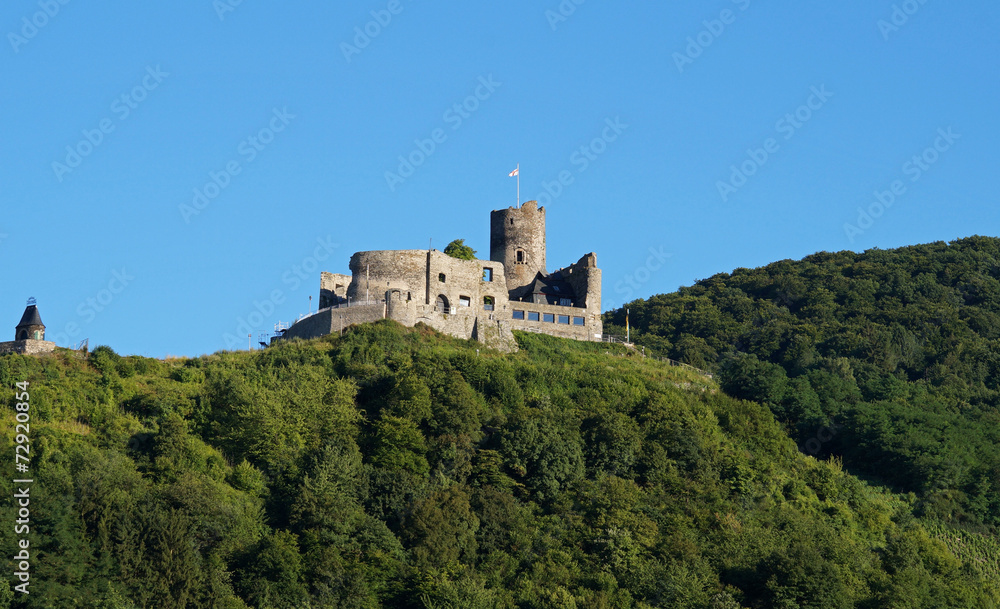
(399, 445)
(273, 574)
(441, 529)
(547, 451)
(458, 249)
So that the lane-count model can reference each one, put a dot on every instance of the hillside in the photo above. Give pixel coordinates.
(400, 468)
(888, 360)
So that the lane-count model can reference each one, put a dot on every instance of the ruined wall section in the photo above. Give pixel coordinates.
(424, 275)
(517, 240)
(467, 279)
(332, 289)
(585, 279)
(376, 272)
(27, 347)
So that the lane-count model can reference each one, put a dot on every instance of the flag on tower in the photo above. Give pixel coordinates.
(517, 172)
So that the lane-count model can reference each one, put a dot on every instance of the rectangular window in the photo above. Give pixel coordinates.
(532, 316)
(564, 319)
(549, 317)
(441, 277)
(579, 321)
(518, 314)
(565, 302)
(487, 274)
(464, 301)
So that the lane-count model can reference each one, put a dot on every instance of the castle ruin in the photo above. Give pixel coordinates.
(473, 299)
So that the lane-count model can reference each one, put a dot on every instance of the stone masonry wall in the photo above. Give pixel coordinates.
(332, 288)
(374, 273)
(585, 279)
(519, 228)
(417, 276)
(591, 330)
(333, 320)
(27, 347)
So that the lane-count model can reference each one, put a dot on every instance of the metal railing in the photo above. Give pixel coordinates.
(356, 303)
(613, 338)
(673, 362)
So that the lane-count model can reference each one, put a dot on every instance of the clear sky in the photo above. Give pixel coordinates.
(691, 139)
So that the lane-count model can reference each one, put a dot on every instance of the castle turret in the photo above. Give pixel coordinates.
(517, 240)
(31, 326)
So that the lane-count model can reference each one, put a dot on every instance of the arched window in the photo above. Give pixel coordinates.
(488, 303)
(22, 335)
(441, 304)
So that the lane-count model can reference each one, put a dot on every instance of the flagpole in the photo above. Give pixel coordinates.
(517, 173)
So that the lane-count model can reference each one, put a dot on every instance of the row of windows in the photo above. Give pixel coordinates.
(487, 276)
(464, 301)
(549, 318)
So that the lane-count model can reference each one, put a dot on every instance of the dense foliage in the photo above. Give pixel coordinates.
(889, 360)
(399, 468)
(458, 249)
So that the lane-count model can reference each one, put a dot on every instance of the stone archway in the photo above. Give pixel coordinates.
(441, 304)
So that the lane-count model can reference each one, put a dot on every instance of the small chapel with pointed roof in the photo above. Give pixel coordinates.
(29, 334)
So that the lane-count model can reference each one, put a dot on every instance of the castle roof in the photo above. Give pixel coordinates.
(551, 286)
(30, 317)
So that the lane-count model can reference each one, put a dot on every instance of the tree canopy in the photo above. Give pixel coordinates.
(888, 360)
(458, 249)
(395, 467)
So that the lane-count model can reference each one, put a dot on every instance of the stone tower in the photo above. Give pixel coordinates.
(517, 240)
(31, 326)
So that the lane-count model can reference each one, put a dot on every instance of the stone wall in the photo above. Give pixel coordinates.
(486, 327)
(585, 279)
(591, 329)
(334, 320)
(461, 322)
(27, 347)
(375, 273)
(332, 289)
(424, 275)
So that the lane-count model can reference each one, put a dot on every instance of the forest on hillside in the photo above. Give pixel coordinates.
(396, 467)
(888, 360)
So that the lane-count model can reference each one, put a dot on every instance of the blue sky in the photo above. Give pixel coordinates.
(745, 132)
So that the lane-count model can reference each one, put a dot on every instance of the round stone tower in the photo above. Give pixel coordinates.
(517, 240)
(31, 326)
